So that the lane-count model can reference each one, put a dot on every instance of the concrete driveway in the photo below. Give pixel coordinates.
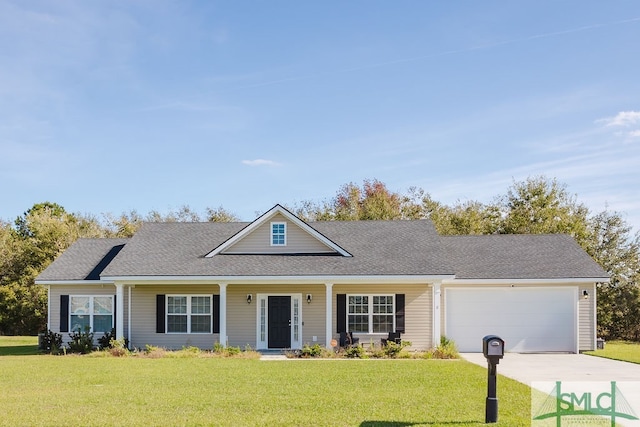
(576, 372)
(527, 368)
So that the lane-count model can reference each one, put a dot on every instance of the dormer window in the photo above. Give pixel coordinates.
(278, 234)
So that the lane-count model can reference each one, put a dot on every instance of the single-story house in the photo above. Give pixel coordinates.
(280, 282)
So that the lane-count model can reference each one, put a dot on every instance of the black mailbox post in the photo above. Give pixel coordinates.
(493, 349)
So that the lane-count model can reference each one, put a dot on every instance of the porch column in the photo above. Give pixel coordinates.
(119, 311)
(436, 314)
(223, 314)
(129, 314)
(329, 314)
(49, 308)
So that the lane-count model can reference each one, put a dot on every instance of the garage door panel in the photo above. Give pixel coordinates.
(528, 319)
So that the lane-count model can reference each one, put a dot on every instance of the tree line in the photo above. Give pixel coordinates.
(537, 205)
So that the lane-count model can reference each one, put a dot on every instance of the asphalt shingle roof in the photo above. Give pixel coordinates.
(378, 248)
(520, 256)
(84, 260)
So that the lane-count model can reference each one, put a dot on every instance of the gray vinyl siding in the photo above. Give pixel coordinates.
(418, 312)
(297, 241)
(143, 317)
(88, 290)
(586, 318)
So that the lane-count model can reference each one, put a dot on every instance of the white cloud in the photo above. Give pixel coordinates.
(260, 162)
(635, 133)
(623, 118)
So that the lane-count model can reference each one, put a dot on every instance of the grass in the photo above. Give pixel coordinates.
(619, 350)
(18, 346)
(81, 390)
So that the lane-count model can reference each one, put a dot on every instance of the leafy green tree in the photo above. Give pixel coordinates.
(612, 245)
(370, 202)
(40, 235)
(220, 214)
(463, 218)
(539, 205)
(124, 225)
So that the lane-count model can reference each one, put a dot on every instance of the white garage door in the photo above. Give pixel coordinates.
(527, 319)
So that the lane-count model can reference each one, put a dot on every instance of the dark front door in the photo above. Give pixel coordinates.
(279, 322)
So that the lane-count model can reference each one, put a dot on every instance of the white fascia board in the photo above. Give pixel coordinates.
(284, 280)
(563, 281)
(75, 282)
(277, 209)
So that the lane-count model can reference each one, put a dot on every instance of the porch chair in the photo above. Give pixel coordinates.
(393, 336)
(347, 339)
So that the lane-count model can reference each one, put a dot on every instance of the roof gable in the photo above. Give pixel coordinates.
(255, 238)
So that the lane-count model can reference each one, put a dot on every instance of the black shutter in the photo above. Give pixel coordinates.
(115, 307)
(341, 310)
(216, 314)
(400, 313)
(160, 314)
(64, 313)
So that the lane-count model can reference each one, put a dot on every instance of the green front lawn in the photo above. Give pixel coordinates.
(88, 390)
(16, 346)
(619, 350)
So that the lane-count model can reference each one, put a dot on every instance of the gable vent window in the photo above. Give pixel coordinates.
(278, 234)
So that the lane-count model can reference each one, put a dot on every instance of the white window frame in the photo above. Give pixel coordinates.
(91, 312)
(284, 233)
(370, 312)
(189, 314)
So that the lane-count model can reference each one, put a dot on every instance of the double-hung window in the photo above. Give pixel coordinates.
(93, 313)
(371, 313)
(189, 314)
(278, 234)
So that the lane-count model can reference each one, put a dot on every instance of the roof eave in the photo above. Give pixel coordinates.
(538, 281)
(301, 280)
(74, 282)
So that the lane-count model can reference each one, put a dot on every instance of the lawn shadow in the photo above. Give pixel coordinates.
(418, 423)
(20, 350)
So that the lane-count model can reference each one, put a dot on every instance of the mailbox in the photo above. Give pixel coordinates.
(493, 347)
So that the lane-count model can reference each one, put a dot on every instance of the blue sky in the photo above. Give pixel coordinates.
(109, 106)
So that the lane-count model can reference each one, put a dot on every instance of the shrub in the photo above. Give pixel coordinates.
(118, 348)
(311, 351)
(392, 349)
(52, 342)
(355, 351)
(154, 352)
(220, 350)
(191, 349)
(446, 350)
(104, 342)
(81, 341)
